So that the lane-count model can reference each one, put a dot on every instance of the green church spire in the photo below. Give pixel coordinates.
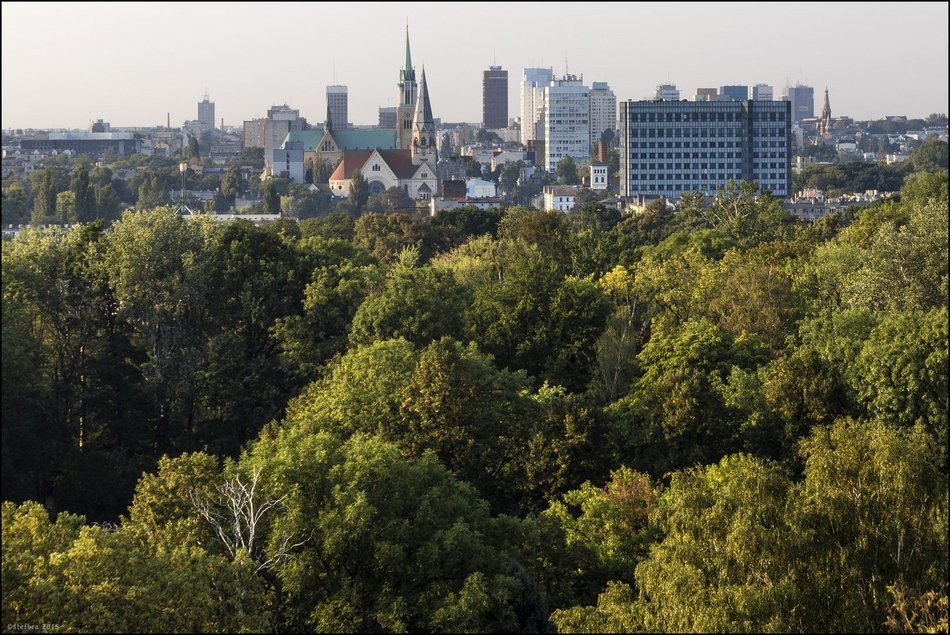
(407, 74)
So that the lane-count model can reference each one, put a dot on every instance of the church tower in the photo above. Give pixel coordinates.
(825, 125)
(407, 100)
(423, 128)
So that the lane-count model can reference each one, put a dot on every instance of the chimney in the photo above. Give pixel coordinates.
(168, 124)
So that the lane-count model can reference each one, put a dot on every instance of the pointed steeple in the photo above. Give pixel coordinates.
(825, 125)
(328, 123)
(422, 120)
(423, 127)
(407, 73)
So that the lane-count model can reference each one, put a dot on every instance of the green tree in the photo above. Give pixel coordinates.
(271, 198)
(930, 156)
(322, 171)
(420, 304)
(85, 195)
(151, 194)
(232, 184)
(901, 372)
(66, 207)
(595, 535)
(872, 512)
(724, 562)
(510, 175)
(15, 208)
(473, 169)
(44, 199)
(567, 171)
(392, 200)
(58, 282)
(252, 156)
(192, 150)
(93, 578)
(677, 413)
(392, 544)
(359, 191)
(331, 225)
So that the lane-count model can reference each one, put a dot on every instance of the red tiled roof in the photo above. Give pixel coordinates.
(399, 161)
(352, 160)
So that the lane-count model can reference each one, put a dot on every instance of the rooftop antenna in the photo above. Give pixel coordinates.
(334, 71)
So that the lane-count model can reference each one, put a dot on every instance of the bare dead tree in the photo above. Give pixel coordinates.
(236, 515)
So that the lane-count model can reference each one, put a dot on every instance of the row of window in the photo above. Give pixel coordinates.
(703, 155)
(720, 177)
(737, 116)
(730, 165)
(704, 132)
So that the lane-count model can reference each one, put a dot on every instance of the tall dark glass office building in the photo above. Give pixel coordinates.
(671, 147)
(495, 98)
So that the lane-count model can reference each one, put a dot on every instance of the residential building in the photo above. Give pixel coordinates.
(802, 99)
(566, 121)
(288, 160)
(559, 198)
(280, 120)
(667, 92)
(479, 188)
(739, 92)
(706, 94)
(668, 148)
(337, 106)
(534, 82)
(495, 98)
(253, 136)
(598, 176)
(603, 110)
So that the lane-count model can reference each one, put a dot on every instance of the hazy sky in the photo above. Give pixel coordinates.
(66, 64)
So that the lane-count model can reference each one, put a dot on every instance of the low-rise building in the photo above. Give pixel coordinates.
(559, 198)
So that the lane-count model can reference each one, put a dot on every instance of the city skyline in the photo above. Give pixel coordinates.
(251, 56)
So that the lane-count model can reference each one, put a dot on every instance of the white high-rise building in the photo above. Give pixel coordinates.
(534, 82)
(762, 92)
(603, 110)
(667, 92)
(566, 121)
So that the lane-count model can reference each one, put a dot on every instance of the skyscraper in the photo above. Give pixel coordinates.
(337, 107)
(495, 98)
(566, 121)
(603, 110)
(803, 101)
(206, 114)
(532, 100)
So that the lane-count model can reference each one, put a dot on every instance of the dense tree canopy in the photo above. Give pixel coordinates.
(718, 418)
